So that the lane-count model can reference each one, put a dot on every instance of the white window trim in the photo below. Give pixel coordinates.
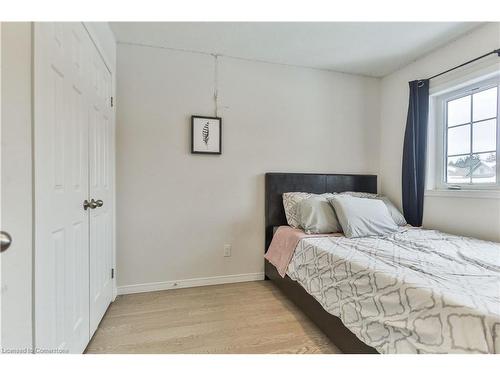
(448, 193)
(436, 185)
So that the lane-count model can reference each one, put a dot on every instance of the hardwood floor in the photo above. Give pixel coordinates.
(252, 317)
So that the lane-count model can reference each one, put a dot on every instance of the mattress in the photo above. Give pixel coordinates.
(415, 291)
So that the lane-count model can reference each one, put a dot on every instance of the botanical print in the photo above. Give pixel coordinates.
(206, 135)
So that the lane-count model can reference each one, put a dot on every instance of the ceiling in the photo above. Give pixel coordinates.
(369, 48)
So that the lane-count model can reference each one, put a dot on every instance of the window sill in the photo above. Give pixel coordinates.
(448, 193)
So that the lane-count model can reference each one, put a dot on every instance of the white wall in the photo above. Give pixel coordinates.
(175, 211)
(479, 217)
(16, 186)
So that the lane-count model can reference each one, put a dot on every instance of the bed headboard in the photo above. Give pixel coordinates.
(279, 183)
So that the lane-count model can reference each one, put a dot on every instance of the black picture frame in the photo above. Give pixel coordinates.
(219, 150)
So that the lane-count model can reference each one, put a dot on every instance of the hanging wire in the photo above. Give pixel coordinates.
(216, 84)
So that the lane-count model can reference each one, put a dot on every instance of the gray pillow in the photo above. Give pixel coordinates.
(360, 194)
(290, 204)
(362, 217)
(316, 216)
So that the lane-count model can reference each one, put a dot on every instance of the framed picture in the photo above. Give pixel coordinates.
(206, 135)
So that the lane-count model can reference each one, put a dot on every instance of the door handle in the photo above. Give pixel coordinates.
(5, 241)
(99, 203)
(92, 204)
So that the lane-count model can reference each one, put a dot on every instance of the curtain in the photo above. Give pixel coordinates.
(415, 152)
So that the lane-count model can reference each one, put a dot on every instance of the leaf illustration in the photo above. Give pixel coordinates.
(205, 134)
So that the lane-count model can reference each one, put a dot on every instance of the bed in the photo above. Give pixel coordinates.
(415, 291)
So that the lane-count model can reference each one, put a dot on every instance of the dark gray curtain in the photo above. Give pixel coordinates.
(415, 152)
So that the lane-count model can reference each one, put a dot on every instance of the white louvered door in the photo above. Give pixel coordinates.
(72, 162)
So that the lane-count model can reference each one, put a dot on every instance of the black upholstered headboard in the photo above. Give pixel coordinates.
(279, 183)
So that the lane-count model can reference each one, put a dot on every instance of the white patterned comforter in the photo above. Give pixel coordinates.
(415, 291)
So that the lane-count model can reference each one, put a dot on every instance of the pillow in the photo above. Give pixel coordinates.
(359, 194)
(397, 216)
(316, 215)
(290, 201)
(362, 217)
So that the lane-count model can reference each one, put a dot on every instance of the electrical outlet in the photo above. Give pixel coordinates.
(227, 250)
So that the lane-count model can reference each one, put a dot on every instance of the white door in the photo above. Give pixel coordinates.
(61, 186)
(101, 218)
(71, 288)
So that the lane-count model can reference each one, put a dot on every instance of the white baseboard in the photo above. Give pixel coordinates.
(188, 283)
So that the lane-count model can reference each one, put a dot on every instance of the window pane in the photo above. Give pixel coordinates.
(458, 170)
(485, 104)
(484, 168)
(484, 136)
(459, 111)
(459, 140)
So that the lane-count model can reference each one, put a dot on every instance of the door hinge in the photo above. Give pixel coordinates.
(112, 273)
(111, 102)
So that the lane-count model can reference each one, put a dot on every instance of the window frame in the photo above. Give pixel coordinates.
(440, 121)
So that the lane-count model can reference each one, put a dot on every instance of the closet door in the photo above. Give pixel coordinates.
(101, 180)
(61, 186)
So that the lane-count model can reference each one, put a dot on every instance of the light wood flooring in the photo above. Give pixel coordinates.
(252, 317)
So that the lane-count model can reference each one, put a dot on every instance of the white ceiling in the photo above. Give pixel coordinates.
(368, 48)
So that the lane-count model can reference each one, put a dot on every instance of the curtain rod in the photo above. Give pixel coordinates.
(497, 51)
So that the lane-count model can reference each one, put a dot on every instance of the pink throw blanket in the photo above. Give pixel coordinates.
(283, 246)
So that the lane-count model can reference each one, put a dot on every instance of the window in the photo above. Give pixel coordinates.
(467, 120)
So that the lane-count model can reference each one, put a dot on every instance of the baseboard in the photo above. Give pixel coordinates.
(188, 283)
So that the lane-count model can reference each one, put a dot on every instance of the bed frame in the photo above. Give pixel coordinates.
(276, 185)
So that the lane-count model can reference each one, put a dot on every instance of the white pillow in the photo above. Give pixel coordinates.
(290, 201)
(393, 210)
(396, 215)
(362, 217)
